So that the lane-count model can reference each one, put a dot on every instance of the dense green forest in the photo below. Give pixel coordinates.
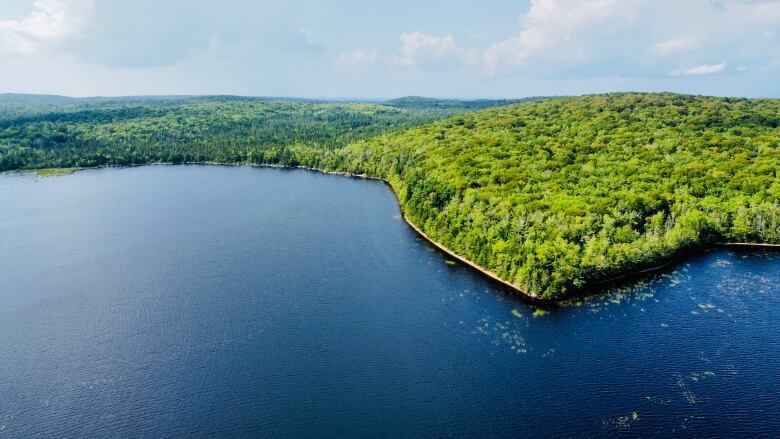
(55, 131)
(558, 195)
(551, 195)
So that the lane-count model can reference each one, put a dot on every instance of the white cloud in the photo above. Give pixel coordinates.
(358, 57)
(704, 69)
(417, 44)
(557, 25)
(420, 49)
(635, 38)
(676, 46)
(51, 22)
(307, 41)
(251, 47)
(417, 49)
(760, 10)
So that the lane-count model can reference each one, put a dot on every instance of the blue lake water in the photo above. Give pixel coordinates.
(191, 301)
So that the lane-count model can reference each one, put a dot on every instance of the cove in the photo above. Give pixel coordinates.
(206, 300)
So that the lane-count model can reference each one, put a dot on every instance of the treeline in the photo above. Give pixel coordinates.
(176, 130)
(476, 104)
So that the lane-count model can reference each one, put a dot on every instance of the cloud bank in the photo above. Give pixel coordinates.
(629, 38)
(309, 48)
(50, 24)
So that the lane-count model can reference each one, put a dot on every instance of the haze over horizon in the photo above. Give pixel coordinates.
(352, 49)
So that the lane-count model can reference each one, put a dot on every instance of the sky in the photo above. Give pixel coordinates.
(383, 49)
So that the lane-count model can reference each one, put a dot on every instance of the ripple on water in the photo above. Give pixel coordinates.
(306, 305)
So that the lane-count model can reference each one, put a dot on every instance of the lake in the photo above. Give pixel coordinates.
(233, 301)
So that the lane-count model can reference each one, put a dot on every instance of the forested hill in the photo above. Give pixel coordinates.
(477, 104)
(553, 196)
(15, 104)
(558, 195)
(55, 131)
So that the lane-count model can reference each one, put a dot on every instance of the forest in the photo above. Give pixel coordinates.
(57, 132)
(552, 195)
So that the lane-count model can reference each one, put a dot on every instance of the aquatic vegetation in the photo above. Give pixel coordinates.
(721, 263)
(638, 292)
(54, 172)
(690, 397)
(658, 400)
(500, 333)
(621, 423)
(684, 381)
(540, 313)
(706, 307)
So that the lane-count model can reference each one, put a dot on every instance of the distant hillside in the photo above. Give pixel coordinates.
(16, 101)
(420, 102)
(14, 104)
(53, 131)
(44, 103)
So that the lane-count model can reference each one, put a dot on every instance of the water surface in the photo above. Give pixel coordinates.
(190, 301)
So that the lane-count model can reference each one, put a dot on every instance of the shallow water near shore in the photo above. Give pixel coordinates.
(233, 301)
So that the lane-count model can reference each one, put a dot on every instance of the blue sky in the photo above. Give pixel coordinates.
(364, 49)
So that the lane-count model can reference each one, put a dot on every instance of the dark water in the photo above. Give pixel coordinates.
(193, 301)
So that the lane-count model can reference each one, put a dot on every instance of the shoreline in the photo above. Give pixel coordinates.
(439, 246)
(746, 245)
(533, 299)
